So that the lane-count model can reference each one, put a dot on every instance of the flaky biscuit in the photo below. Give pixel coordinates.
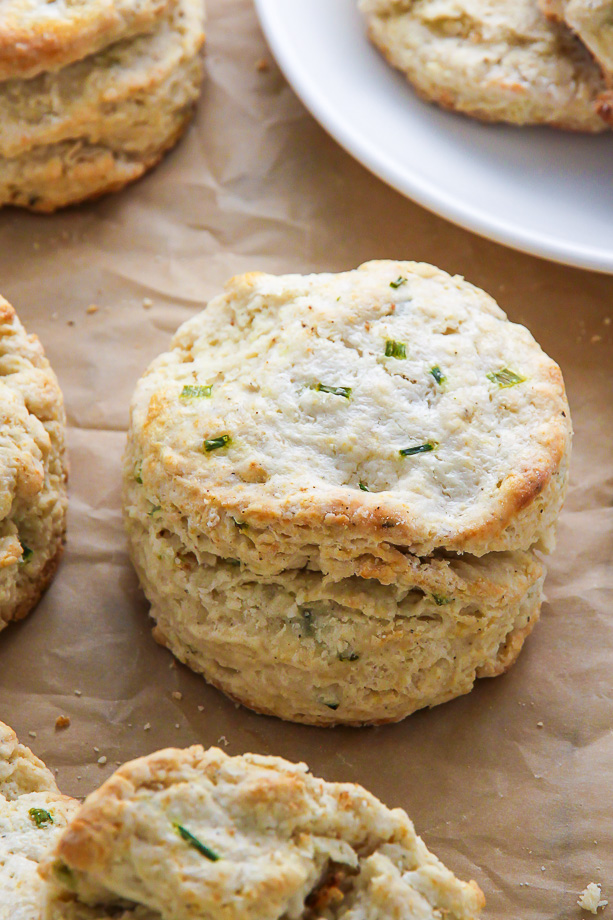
(496, 60)
(194, 833)
(33, 469)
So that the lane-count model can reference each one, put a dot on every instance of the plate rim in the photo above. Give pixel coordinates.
(413, 187)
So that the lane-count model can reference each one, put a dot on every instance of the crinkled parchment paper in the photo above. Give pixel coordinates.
(510, 785)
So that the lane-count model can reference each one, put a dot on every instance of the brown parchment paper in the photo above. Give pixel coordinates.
(257, 184)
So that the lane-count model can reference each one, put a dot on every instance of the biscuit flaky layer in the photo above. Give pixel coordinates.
(194, 833)
(38, 36)
(33, 469)
(497, 60)
(103, 121)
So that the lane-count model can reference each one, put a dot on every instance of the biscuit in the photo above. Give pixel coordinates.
(496, 60)
(381, 449)
(103, 121)
(33, 469)
(32, 816)
(37, 36)
(591, 20)
(194, 833)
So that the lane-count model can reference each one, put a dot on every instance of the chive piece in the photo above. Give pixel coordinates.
(191, 391)
(348, 656)
(363, 487)
(399, 280)
(505, 378)
(26, 554)
(196, 844)
(241, 525)
(335, 391)
(233, 561)
(332, 705)
(40, 817)
(138, 473)
(395, 349)
(438, 375)
(440, 600)
(420, 449)
(215, 443)
(64, 875)
(154, 510)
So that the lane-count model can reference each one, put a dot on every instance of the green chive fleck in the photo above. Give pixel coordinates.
(154, 510)
(138, 473)
(196, 844)
(64, 875)
(440, 600)
(335, 391)
(396, 284)
(190, 391)
(438, 375)
(363, 487)
(348, 656)
(26, 554)
(241, 525)
(395, 349)
(215, 443)
(420, 449)
(233, 561)
(332, 705)
(505, 378)
(40, 817)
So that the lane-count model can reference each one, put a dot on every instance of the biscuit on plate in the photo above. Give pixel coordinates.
(194, 833)
(592, 21)
(496, 60)
(334, 486)
(102, 121)
(33, 469)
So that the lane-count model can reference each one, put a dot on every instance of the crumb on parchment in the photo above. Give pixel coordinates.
(590, 898)
(62, 722)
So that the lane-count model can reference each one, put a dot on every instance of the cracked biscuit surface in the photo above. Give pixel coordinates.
(496, 60)
(194, 833)
(335, 485)
(33, 469)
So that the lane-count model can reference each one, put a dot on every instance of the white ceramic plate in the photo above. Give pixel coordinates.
(543, 191)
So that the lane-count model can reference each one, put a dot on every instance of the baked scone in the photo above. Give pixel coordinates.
(38, 36)
(591, 20)
(33, 469)
(496, 60)
(32, 816)
(102, 121)
(334, 486)
(194, 833)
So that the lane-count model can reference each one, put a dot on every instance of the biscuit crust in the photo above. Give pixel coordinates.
(248, 838)
(37, 36)
(491, 466)
(33, 470)
(492, 60)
